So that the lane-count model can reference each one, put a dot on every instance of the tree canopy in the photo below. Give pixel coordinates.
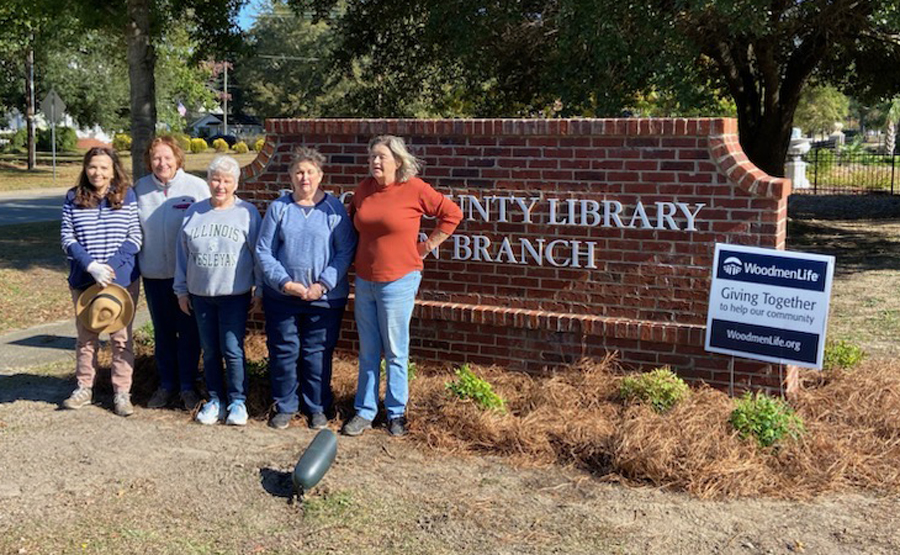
(820, 107)
(282, 69)
(598, 57)
(142, 23)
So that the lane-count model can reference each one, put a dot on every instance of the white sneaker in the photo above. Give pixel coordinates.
(81, 397)
(237, 414)
(211, 413)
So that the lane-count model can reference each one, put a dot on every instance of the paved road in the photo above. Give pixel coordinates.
(45, 343)
(36, 205)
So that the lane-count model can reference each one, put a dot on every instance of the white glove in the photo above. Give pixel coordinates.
(102, 273)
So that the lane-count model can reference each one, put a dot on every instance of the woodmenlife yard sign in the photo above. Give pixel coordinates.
(769, 304)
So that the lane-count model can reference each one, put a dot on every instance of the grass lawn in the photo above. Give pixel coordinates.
(14, 175)
(865, 298)
(33, 272)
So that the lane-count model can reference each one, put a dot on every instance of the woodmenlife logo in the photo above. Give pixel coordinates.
(769, 305)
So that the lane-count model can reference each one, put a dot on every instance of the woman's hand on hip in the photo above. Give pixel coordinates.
(422, 249)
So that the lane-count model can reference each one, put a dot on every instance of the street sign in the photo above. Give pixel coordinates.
(769, 304)
(53, 107)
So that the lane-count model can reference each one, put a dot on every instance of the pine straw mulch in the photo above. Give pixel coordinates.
(574, 417)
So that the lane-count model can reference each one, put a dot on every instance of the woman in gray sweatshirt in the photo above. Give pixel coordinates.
(163, 197)
(214, 278)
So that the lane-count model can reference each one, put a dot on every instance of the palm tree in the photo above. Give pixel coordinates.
(892, 116)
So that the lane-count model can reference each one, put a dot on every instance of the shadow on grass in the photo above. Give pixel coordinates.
(48, 342)
(32, 245)
(856, 248)
(34, 387)
(843, 207)
(277, 483)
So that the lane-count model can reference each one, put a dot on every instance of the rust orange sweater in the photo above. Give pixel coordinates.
(388, 219)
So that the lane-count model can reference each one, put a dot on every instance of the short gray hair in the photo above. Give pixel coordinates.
(307, 154)
(407, 164)
(224, 164)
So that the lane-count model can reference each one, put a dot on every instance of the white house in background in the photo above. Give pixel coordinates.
(16, 120)
(241, 126)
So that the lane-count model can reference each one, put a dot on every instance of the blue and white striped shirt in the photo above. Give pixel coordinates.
(101, 235)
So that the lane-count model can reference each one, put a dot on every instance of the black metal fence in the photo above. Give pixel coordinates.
(835, 171)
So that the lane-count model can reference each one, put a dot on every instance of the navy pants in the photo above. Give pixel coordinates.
(177, 342)
(222, 322)
(301, 340)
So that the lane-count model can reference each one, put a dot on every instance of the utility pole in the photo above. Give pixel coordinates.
(225, 114)
(29, 102)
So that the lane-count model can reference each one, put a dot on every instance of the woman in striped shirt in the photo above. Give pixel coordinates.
(101, 234)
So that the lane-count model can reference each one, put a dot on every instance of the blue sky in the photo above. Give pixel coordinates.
(248, 12)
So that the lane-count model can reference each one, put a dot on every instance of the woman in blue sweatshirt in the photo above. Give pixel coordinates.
(101, 234)
(306, 243)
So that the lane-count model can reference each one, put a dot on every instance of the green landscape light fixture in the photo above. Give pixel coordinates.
(314, 462)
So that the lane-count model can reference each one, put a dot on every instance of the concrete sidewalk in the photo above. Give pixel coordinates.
(45, 344)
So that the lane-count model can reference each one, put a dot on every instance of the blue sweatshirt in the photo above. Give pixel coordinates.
(101, 235)
(307, 246)
(214, 256)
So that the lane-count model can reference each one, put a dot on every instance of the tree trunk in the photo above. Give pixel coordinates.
(141, 66)
(29, 104)
(765, 141)
(890, 137)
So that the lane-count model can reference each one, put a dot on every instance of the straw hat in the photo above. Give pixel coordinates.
(105, 309)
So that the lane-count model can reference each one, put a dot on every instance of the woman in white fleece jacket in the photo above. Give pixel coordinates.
(163, 197)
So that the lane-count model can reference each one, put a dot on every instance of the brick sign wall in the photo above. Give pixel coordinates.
(579, 236)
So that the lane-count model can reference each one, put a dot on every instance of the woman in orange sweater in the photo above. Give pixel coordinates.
(386, 209)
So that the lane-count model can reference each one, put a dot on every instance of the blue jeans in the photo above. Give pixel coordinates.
(301, 340)
(222, 322)
(383, 311)
(177, 343)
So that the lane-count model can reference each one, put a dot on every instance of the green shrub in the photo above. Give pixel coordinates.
(257, 367)
(469, 386)
(259, 144)
(766, 418)
(411, 369)
(221, 145)
(842, 354)
(183, 140)
(198, 146)
(241, 147)
(121, 142)
(19, 140)
(144, 334)
(66, 139)
(661, 388)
